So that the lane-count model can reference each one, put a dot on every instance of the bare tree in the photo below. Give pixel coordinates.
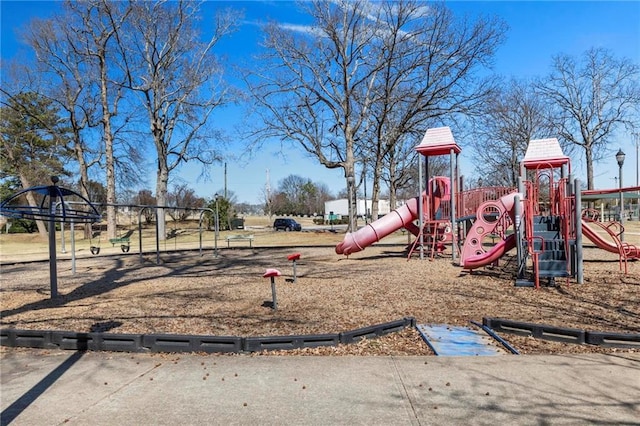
(62, 73)
(64, 70)
(298, 195)
(591, 99)
(315, 88)
(403, 178)
(184, 201)
(178, 80)
(364, 75)
(429, 75)
(502, 133)
(144, 197)
(94, 26)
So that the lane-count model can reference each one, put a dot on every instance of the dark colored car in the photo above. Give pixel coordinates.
(286, 224)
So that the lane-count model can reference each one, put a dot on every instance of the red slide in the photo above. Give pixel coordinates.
(473, 254)
(402, 217)
(632, 251)
(492, 255)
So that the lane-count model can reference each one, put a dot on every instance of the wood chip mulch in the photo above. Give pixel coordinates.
(227, 296)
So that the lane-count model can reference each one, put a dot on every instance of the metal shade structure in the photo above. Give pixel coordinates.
(55, 204)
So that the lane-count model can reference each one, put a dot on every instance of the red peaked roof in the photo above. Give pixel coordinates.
(544, 152)
(438, 141)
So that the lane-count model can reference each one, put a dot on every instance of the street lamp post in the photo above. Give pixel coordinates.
(636, 139)
(217, 225)
(620, 159)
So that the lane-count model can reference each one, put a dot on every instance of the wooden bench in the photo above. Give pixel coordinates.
(240, 238)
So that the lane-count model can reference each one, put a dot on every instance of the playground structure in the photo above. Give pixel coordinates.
(542, 218)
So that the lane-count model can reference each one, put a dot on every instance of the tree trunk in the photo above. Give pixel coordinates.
(84, 175)
(161, 198)
(350, 175)
(393, 189)
(589, 163)
(108, 148)
(375, 191)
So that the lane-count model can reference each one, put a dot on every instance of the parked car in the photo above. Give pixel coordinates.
(286, 224)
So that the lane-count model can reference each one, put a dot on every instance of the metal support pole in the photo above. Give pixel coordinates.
(140, 233)
(216, 227)
(200, 233)
(621, 204)
(637, 141)
(53, 271)
(519, 234)
(578, 218)
(420, 209)
(454, 184)
(274, 304)
(73, 248)
(157, 238)
(63, 249)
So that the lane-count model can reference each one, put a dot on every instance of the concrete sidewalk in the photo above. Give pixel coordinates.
(74, 388)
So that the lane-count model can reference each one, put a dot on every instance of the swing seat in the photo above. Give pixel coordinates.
(121, 240)
(94, 250)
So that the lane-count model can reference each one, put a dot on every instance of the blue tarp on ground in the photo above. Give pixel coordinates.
(447, 340)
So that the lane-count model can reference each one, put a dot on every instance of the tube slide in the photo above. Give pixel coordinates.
(632, 252)
(473, 254)
(402, 217)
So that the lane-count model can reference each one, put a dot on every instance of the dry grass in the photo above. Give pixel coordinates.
(226, 295)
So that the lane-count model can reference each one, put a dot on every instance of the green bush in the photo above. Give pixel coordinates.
(23, 226)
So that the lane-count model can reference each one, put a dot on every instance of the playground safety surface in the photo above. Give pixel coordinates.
(227, 296)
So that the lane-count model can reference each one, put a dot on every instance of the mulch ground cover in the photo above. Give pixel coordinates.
(227, 296)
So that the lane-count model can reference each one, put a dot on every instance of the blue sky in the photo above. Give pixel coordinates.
(538, 30)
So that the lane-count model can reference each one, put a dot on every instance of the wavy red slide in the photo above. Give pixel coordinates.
(496, 252)
(473, 254)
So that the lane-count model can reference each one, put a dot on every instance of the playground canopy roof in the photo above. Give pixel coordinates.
(610, 196)
(544, 153)
(55, 203)
(629, 193)
(438, 141)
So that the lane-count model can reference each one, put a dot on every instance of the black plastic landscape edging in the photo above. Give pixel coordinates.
(560, 334)
(69, 340)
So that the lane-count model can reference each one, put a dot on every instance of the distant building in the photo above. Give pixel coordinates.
(341, 208)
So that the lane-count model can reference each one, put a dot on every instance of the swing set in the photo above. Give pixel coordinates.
(124, 233)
